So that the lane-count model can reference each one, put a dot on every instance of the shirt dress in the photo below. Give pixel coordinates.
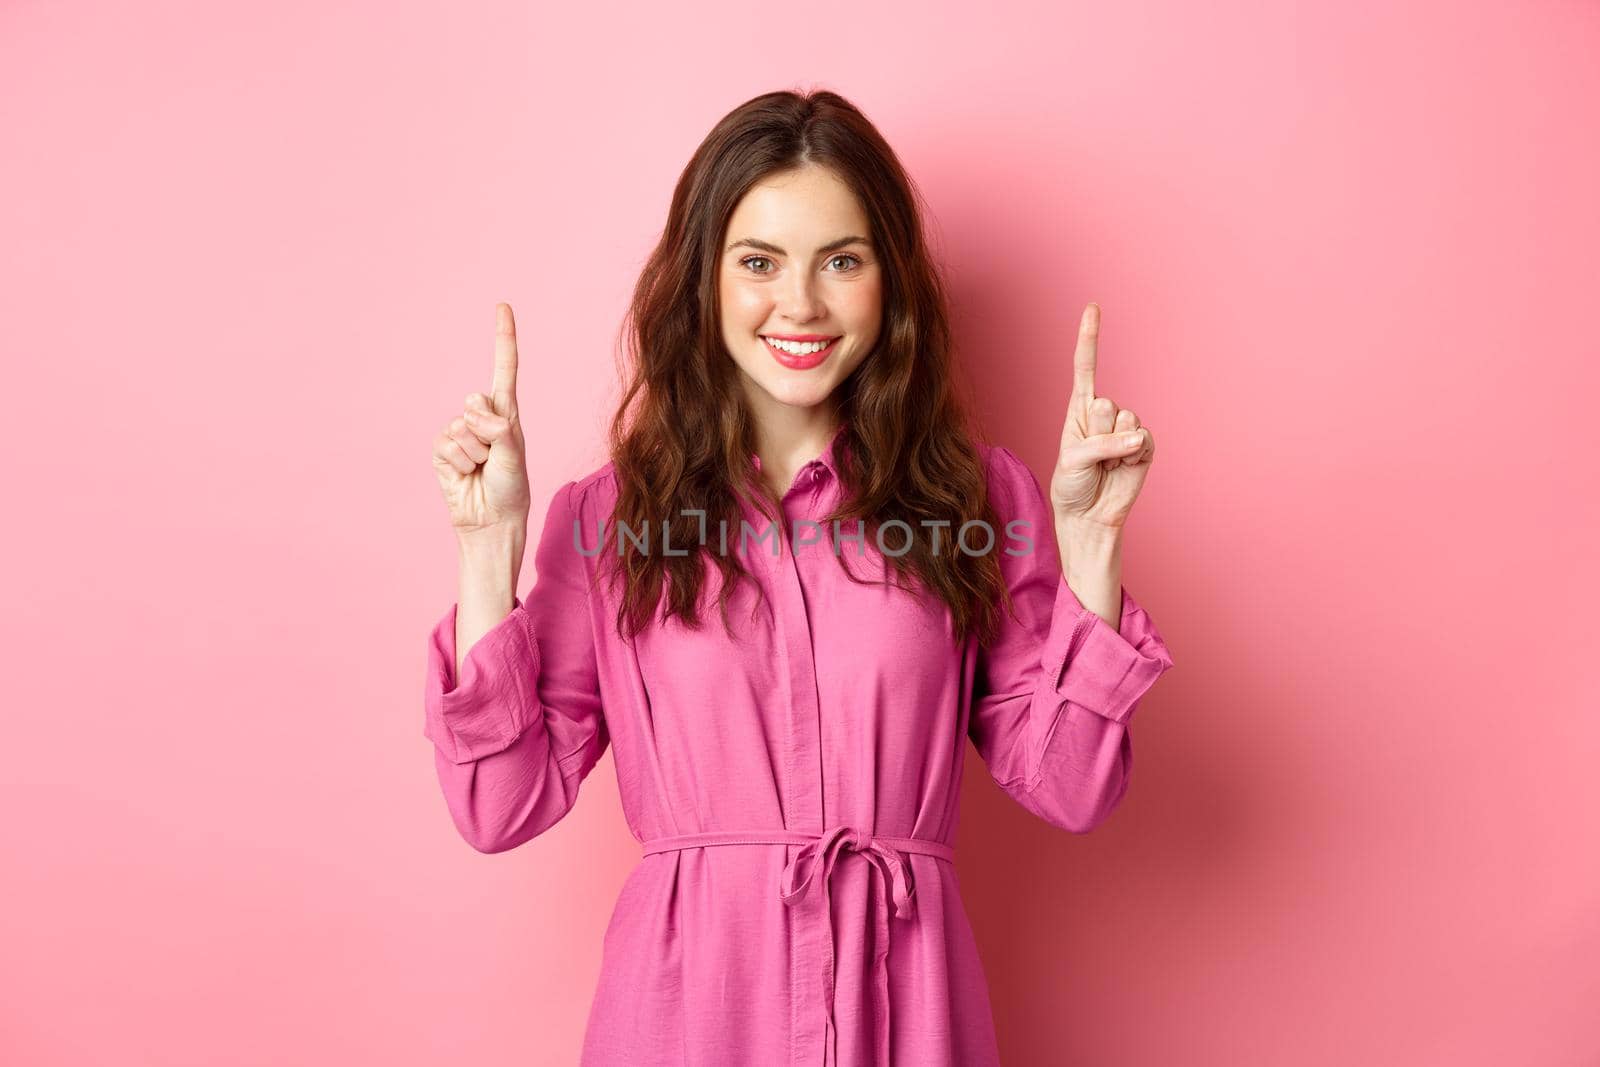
(794, 789)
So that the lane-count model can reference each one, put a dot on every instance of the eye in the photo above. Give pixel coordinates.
(855, 261)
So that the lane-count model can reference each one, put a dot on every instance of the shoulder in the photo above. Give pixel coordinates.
(597, 488)
(1011, 482)
(588, 495)
(998, 460)
(587, 500)
(578, 512)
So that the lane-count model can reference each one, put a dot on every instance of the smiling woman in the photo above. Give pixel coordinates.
(793, 781)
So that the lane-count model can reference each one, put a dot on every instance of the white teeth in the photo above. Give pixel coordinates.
(798, 348)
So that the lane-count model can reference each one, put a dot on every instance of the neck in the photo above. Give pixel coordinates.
(789, 439)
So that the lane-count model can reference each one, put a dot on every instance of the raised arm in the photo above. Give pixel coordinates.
(512, 702)
(1054, 693)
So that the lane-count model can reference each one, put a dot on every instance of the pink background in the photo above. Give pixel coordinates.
(1347, 260)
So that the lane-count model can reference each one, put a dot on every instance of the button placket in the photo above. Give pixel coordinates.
(803, 777)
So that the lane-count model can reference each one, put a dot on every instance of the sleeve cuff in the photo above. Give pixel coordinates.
(1099, 668)
(495, 698)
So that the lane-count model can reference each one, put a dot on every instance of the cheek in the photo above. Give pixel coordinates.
(742, 303)
(865, 304)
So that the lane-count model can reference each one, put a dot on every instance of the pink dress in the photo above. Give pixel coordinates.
(794, 790)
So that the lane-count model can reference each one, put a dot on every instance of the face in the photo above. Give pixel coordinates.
(797, 261)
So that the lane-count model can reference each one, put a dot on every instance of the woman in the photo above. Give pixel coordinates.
(792, 768)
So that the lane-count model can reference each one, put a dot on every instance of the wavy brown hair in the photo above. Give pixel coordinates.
(682, 436)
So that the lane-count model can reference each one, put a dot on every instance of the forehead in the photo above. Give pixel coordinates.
(804, 207)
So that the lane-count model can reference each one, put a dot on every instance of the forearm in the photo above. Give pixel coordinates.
(487, 568)
(1091, 561)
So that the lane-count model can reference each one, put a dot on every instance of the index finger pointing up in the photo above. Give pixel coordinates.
(1083, 360)
(504, 392)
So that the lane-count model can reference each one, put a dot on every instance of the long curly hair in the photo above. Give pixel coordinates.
(682, 435)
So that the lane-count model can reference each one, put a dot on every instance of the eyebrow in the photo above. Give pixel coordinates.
(765, 246)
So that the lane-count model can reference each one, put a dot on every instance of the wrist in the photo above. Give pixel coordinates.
(1087, 535)
(1091, 565)
(1091, 557)
(491, 560)
(489, 540)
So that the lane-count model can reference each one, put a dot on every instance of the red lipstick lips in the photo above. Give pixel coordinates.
(805, 362)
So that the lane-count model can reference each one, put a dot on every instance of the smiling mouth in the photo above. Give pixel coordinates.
(803, 356)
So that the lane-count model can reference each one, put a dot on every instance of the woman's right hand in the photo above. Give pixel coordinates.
(479, 457)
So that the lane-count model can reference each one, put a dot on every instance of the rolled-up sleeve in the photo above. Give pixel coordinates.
(1054, 693)
(521, 728)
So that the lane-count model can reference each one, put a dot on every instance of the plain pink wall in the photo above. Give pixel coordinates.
(1347, 259)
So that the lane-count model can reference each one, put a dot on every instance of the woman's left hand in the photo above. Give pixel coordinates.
(1105, 453)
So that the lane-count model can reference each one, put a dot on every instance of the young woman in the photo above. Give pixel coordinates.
(790, 456)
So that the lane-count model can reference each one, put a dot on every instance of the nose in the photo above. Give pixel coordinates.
(799, 302)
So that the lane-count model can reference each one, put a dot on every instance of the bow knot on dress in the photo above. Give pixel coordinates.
(896, 870)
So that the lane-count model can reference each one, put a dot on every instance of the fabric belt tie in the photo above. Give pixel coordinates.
(818, 855)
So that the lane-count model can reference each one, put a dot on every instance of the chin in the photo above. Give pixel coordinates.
(807, 397)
